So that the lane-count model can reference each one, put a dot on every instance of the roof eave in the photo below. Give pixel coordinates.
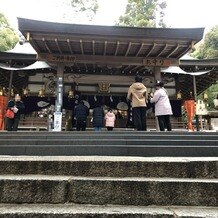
(192, 34)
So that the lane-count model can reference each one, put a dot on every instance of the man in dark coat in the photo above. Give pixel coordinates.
(81, 113)
(98, 117)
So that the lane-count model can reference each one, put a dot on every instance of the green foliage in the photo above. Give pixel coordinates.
(212, 93)
(209, 48)
(3, 21)
(143, 13)
(89, 7)
(8, 37)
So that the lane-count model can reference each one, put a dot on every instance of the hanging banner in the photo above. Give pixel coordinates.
(57, 121)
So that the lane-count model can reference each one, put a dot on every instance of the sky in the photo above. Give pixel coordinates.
(179, 13)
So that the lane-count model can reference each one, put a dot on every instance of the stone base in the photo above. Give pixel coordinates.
(84, 211)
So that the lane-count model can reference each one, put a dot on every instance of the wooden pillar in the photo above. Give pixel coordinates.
(10, 84)
(157, 76)
(195, 97)
(59, 88)
(59, 99)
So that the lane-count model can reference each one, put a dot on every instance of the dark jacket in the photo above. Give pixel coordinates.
(98, 117)
(81, 112)
(20, 106)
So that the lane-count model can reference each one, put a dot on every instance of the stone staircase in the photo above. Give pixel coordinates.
(116, 143)
(115, 185)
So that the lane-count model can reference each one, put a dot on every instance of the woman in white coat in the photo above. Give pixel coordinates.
(163, 108)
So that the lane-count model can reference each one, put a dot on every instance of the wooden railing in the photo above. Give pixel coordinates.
(41, 123)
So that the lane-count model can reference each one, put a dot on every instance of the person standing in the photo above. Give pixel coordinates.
(163, 108)
(110, 120)
(17, 106)
(137, 93)
(98, 118)
(190, 109)
(81, 113)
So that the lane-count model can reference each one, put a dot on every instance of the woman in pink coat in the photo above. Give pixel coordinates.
(110, 120)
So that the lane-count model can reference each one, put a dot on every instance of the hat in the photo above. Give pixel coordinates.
(138, 78)
(160, 84)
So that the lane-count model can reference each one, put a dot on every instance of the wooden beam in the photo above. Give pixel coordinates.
(69, 46)
(202, 63)
(128, 49)
(35, 46)
(187, 49)
(162, 50)
(105, 48)
(117, 48)
(93, 47)
(108, 60)
(142, 45)
(100, 38)
(173, 50)
(57, 44)
(81, 46)
(151, 49)
(46, 45)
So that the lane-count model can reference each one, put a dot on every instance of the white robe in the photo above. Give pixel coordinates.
(162, 102)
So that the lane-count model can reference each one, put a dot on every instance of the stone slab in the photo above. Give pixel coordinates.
(144, 191)
(111, 166)
(33, 189)
(82, 211)
(106, 190)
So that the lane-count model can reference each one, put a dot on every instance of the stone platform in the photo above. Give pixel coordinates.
(49, 175)
(121, 143)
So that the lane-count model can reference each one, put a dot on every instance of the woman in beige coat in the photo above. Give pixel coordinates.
(137, 93)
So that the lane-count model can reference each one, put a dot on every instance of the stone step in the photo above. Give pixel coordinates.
(125, 143)
(95, 166)
(105, 190)
(105, 133)
(111, 134)
(107, 141)
(109, 137)
(115, 132)
(141, 150)
(107, 211)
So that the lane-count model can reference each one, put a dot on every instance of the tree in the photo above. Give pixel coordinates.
(212, 93)
(209, 47)
(80, 9)
(143, 13)
(8, 37)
